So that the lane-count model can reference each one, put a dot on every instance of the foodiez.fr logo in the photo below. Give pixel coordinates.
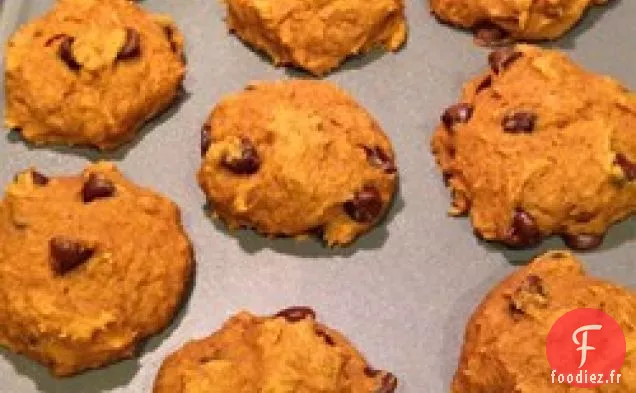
(586, 348)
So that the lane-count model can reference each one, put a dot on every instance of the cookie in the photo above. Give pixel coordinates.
(505, 343)
(296, 158)
(539, 146)
(110, 67)
(317, 35)
(90, 265)
(287, 352)
(494, 21)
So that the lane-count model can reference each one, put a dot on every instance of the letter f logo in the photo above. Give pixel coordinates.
(570, 347)
(584, 348)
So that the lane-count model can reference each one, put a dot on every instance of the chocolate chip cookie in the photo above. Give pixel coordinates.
(538, 146)
(295, 158)
(505, 343)
(286, 352)
(497, 21)
(110, 67)
(90, 265)
(317, 35)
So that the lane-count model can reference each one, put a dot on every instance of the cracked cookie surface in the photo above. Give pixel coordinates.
(539, 146)
(317, 35)
(505, 343)
(110, 67)
(525, 19)
(288, 352)
(90, 265)
(294, 158)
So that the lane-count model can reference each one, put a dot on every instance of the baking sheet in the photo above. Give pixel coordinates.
(402, 293)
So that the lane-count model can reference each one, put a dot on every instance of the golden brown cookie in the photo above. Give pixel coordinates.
(505, 343)
(90, 265)
(317, 35)
(288, 352)
(496, 20)
(294, 158)
(539, 146)
(110, 67)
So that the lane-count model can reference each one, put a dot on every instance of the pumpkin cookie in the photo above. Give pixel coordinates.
(287, 352)
(295, 158)
(496, 21)
(90, 265)
(505, 344)
(317, 35)
(110, 67)
(539, 146)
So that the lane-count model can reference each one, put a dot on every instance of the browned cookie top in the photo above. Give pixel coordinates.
(505, 344)
(295, 158)
(110, 66)
(89, 266)
(287, 352)
(496, 20)
(317, 35)
(539, 146)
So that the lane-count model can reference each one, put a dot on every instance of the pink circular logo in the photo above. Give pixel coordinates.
(586, 348)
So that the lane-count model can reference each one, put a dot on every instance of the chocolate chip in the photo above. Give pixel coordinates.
(248, 163)
(502, 58)
(32, 340)
(174, 45)
(583, 242)
(389, 384)
(514, 310)
(365, 206)
(132, 46)
(54, 38)
(629, 167)
(39, 178)
(452, 151)
(328, 339)
(169, 33)
(65, 52)
(519, 121)
(67, 254)
(446, 178)
(584, 217)
(296, 314)
(458, 113)
(489, 34)
(97, 187)
(534, 285)
(486, 83)
(378, 158)
(524, 231)
(206, 139)
(371, 372)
